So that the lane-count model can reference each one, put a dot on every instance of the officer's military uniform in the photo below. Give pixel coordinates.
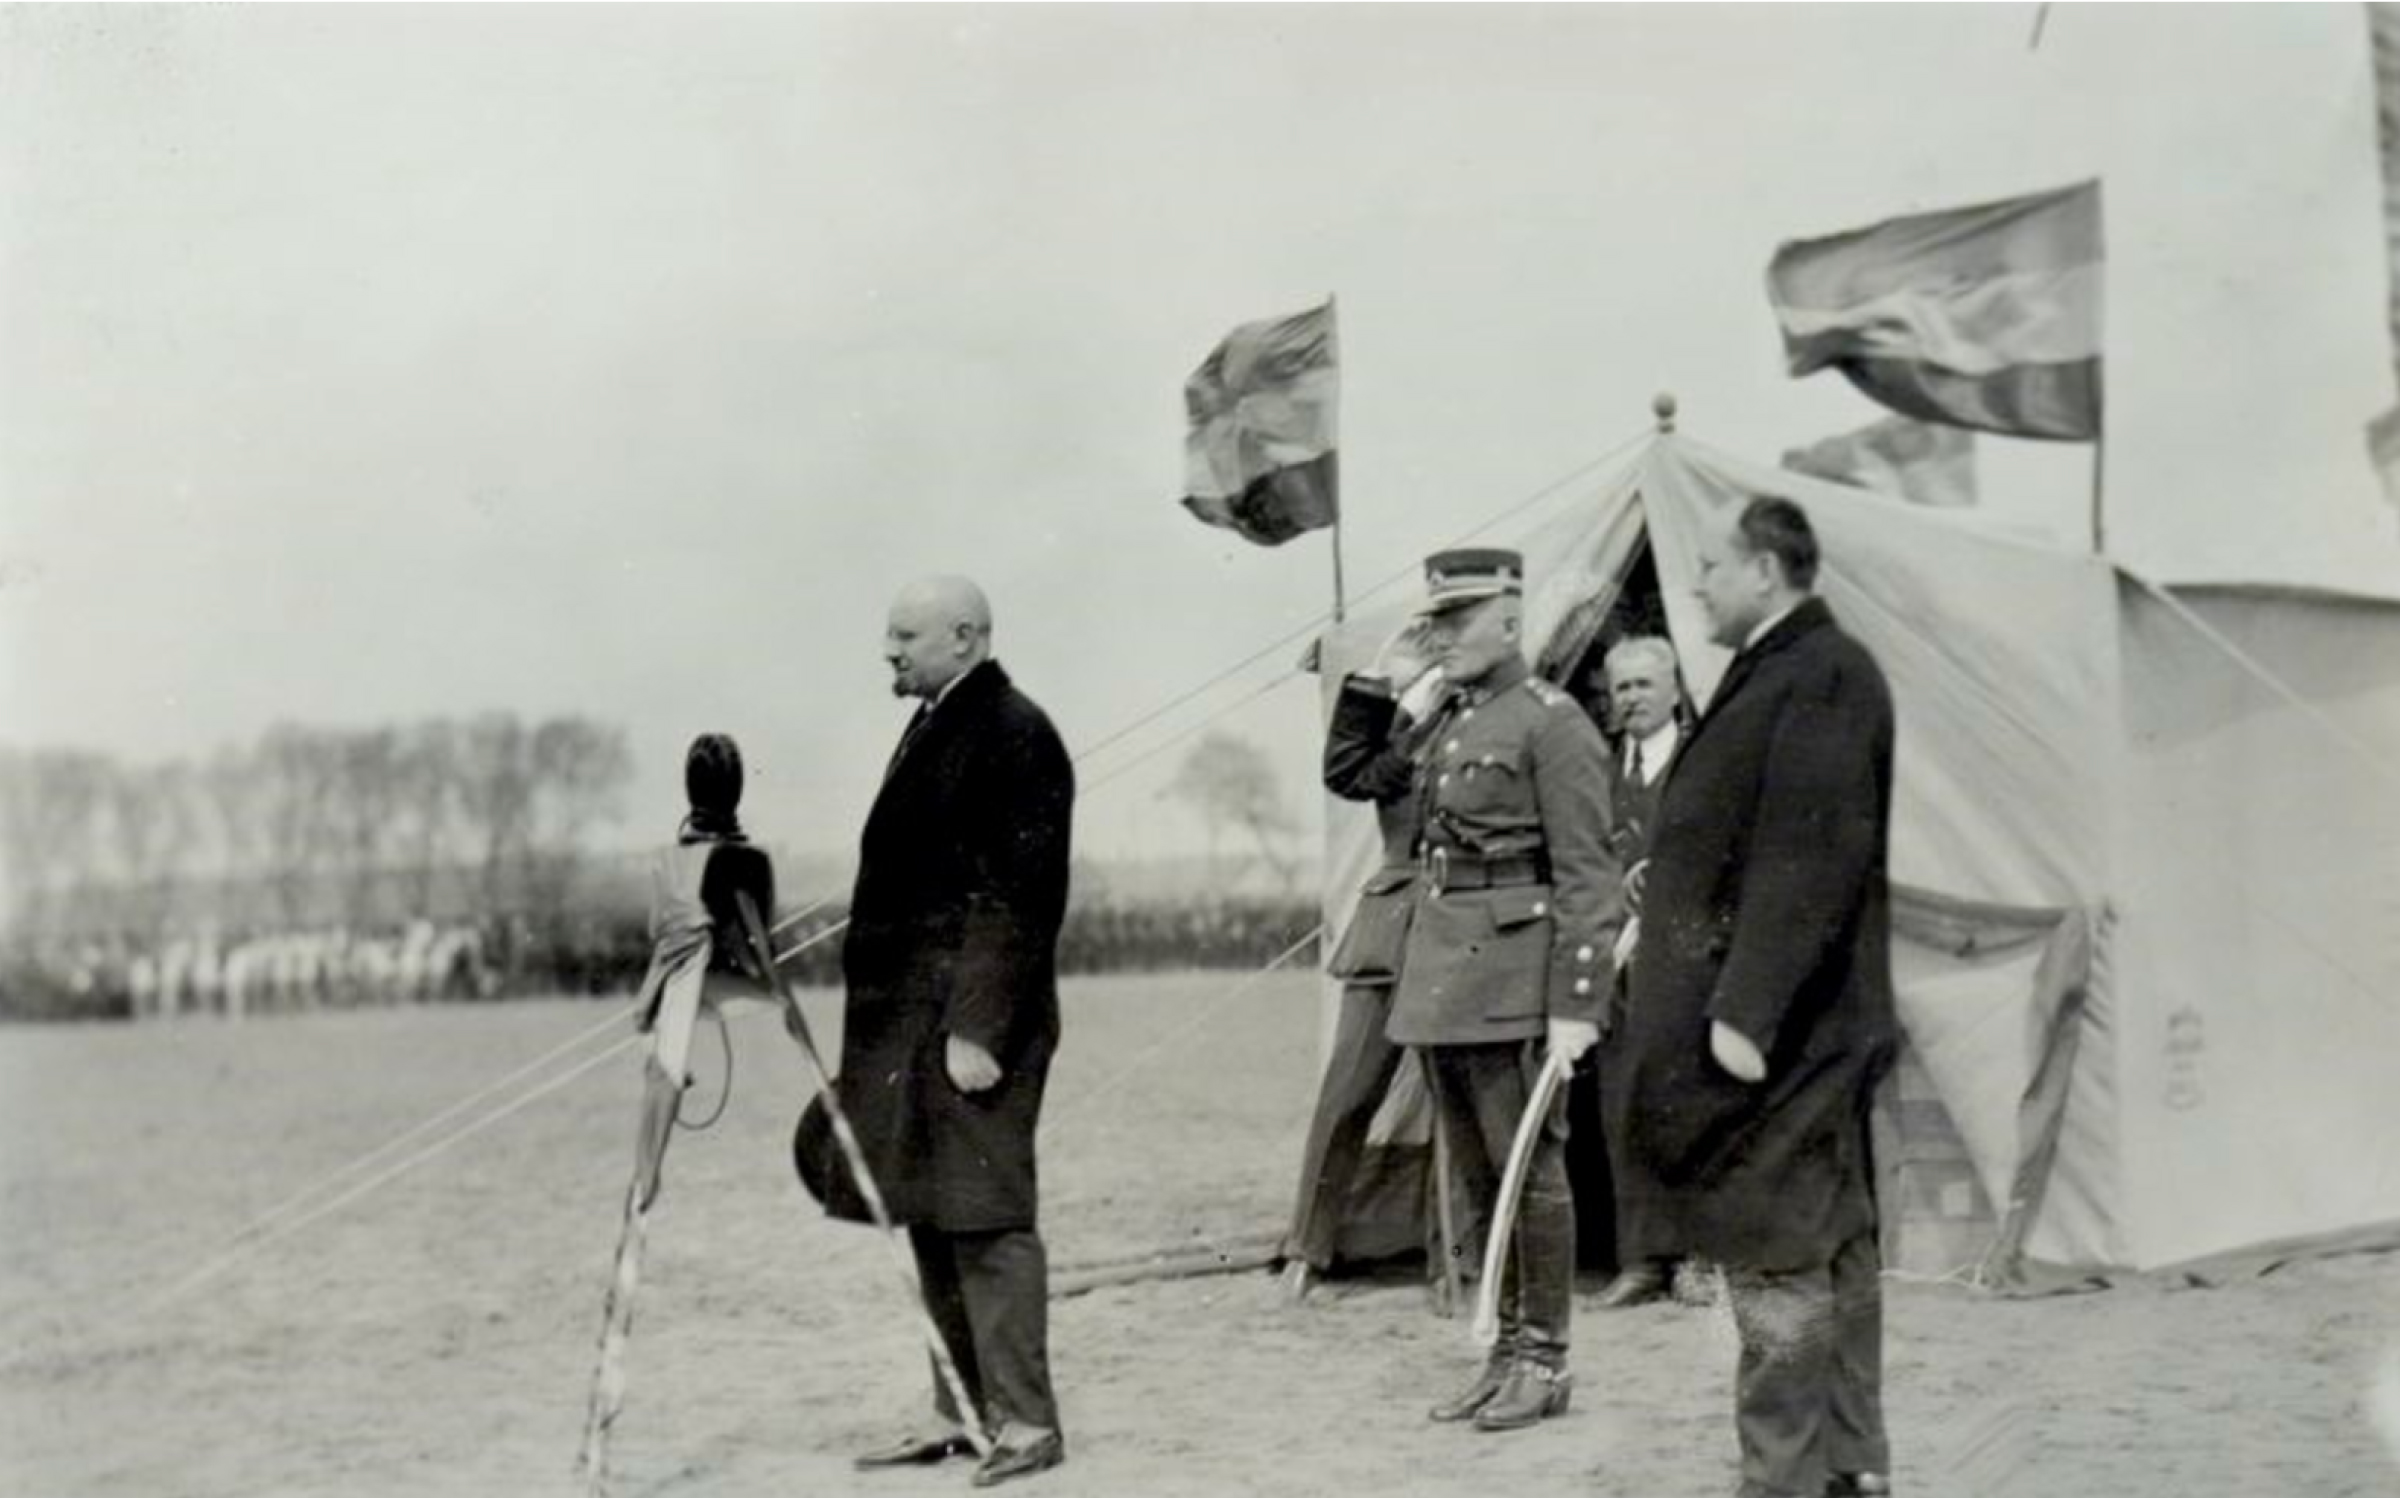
(1518, 905)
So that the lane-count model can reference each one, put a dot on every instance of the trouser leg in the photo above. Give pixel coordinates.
(1006, 1283)
(945, 1302)
(1855, 1440)
(1485, 1088)
(1474, 1174)
(1357, 1075)
(1543, 1254)
(1780, 1383)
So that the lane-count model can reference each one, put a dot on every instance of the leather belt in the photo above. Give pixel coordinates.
(1449, 871)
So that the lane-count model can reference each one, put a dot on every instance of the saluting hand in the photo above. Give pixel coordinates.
(971, 1067)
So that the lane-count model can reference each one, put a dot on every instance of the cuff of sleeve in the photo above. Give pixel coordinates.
(1580, 970)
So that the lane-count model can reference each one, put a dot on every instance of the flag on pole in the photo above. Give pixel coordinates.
(1260, 458)
(1915, 460)
(2383, 32)
(2383, 38)
(1985, 317)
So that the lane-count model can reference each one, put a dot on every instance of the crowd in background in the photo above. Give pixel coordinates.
(594, 953)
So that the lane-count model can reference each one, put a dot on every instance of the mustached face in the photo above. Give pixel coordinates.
(1641, 692)
(1474, 638)
(925, 653)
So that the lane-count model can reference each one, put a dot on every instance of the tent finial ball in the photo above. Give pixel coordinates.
(1663, 406)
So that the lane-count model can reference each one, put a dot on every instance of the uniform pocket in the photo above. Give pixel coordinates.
(1487, 782)
(1515, 965)
(1520, 906)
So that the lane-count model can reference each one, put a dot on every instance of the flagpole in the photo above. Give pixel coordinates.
(1331, 326)
(1337, 567)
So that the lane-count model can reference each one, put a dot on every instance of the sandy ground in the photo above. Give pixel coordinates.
(436, 1335)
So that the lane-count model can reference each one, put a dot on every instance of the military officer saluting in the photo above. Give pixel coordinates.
(1519, 904)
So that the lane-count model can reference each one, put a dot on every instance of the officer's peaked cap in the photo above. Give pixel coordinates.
(1470, 574)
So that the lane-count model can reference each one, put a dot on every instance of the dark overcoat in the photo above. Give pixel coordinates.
(962, 885)
(1765, 907)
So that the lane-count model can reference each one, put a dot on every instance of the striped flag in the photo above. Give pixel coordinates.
(1985, 317)
(1916, 460)
(1261, 458)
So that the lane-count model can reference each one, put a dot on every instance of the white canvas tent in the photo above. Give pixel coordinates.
(2146, 852)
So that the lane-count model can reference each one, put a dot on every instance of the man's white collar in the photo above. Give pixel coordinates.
(1759, 630)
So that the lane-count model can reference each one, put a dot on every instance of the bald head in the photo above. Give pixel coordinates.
(939, 629)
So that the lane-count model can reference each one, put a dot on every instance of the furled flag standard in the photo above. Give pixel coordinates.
(1261, 455)
(2383, 35)
(1984, 317)
(1916, 460)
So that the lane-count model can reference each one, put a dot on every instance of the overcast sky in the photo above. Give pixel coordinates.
(359, 364)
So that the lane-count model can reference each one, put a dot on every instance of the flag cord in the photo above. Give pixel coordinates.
(724, 1093)
(2366, 753)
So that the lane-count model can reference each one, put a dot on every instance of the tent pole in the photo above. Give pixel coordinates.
(2099, 465)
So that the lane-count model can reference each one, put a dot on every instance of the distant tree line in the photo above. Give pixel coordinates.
(310, 826)
(456, 858)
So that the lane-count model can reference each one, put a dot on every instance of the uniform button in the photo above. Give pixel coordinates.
(1541, 907)
(1466, 714)
(1583, 954)
(1451, 747)
(1443, 778)
(1583, 985)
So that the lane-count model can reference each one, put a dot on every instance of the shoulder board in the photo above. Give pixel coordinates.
(1546, 694)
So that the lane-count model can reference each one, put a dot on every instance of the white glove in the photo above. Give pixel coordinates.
(1418, 700)
(1572, 1037)
(1404, 654)
(1734, 1051)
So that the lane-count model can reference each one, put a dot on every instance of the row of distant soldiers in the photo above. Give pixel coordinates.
(209, 973)
(281, 972)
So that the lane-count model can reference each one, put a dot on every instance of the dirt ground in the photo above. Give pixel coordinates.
(436, 1335)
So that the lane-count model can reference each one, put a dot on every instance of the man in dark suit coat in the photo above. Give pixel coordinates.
(1759, 1015)
(952, 1013)
(1645, 710)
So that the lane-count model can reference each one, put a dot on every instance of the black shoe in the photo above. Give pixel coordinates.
(1858, 1485)
(1006, 1462)
(1636, 1286)
(1532, 1394)
(1464, 1404)
(916, 1451)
